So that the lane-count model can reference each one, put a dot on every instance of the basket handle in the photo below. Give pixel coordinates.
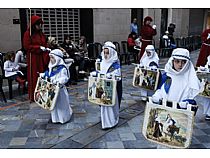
(189, 107)
(171, 104)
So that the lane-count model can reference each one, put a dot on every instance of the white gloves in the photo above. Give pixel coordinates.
(98, 60)
(202, 68)
(45, 49)
(153, 67)
(165, 37)
(93, 73)
(42, 48)
(109, 75)
(41, 75)
(69, 61)
(183, 105)
(208, 37)
(154, 26)
(155, 100)
(48, 49)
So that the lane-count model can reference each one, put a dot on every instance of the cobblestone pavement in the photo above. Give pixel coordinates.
(25, 125)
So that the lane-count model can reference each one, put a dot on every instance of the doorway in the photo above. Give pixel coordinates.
(138, 14)
(164, 21)
(86, 24)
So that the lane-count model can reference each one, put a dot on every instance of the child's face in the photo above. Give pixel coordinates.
(13, 58)
(148, 53)
(106, 53)
(52, 59)
(81, 41)
(67, 40)
(179, 64)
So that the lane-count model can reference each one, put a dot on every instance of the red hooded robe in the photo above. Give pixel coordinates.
(205, 49)
(37, 60)
(146, 33)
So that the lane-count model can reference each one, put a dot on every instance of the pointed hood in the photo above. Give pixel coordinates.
(35, 18)
(148, 18)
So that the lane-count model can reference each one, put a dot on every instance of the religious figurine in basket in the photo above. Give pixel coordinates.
(150, 60)
(59, 74)
(110, 66)
(179, 82)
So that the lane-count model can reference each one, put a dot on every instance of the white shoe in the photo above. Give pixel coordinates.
(143, 98)
(207, 118)
(82, 72)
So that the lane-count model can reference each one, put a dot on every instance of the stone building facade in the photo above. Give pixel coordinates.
(99, 24)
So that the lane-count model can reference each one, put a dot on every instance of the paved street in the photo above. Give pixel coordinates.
(24, 125)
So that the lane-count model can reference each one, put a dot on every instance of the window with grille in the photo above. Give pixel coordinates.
(58, 22)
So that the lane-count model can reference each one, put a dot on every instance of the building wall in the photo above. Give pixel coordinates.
(188, 21)
(156, 16)
(111, 24)
(206, 23)
(181, 18)
(208, 20)
(9, 33)
(196, 21)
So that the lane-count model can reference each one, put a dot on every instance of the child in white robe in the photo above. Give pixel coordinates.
(150, 60)
(110, 66)
(180, 82)
(58, 73)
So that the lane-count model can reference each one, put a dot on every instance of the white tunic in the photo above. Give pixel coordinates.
(11, 68)
(62, 111)
(205, 102)
(184, 84)
(110, 115)
(145, 62)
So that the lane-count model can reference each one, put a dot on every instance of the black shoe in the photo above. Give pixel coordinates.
(207, 118)
(50, 121)
(195, 109)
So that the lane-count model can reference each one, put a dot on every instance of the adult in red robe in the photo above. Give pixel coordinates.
(205, 48)
(147, 32)
(34, 42)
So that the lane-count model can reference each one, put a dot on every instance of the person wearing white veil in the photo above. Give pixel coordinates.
(149, 59)
(58, 73)
(179, 82)
(110, 65)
